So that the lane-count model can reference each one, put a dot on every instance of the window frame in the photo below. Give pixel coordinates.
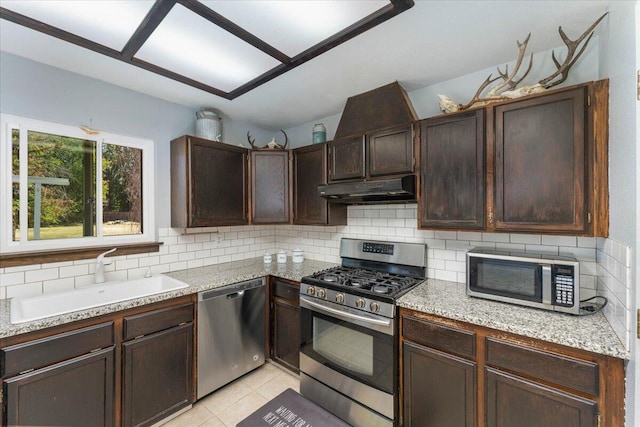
(7, 245)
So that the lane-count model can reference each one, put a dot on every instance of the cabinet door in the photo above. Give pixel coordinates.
(453, 172)
(157, 375)
(286, 325)
(270, 187)
(310, 169)
(540, 164)
(439, 388)
(346, 159)
(391, 151)
(208, 183)
(77, 392)
(218, 184)
(515, 401)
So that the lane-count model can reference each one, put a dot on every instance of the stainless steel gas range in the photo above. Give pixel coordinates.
(349, 333)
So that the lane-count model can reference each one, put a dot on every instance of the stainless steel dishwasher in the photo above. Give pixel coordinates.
(231, 333)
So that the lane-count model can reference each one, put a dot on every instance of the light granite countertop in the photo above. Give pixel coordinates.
(198, 279)
(448, 299)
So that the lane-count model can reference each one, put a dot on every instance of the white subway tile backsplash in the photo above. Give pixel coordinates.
(41, 275)
(602, 271)
(8, 279)
(58, 285)
(559, 240)
(75, 270)
(527, 239)
(614, 282)
(24, 290)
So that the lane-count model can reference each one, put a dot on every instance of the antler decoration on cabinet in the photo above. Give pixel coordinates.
(272, 145)
(507, 88)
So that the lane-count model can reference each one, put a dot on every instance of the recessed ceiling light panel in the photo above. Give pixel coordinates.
(294, 26)
(188, 44)
(108, 22)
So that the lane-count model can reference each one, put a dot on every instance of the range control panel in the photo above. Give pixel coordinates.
(377, 248)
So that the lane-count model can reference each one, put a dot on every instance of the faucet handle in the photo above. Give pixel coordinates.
(100, 257)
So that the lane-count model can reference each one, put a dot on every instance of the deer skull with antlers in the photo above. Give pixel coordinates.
(507, 89)
(272, 145)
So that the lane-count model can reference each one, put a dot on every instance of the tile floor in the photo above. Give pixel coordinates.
(234, 402)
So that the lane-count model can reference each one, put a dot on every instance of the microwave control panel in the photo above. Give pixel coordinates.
(564, 285)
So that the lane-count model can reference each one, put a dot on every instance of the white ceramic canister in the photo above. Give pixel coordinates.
(297, 255)
(281, 257)
(266, 258)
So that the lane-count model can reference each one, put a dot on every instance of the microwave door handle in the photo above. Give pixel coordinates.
(546, 284)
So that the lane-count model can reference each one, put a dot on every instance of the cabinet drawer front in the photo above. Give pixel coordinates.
(286, 291)
(445, 338)
(514, 401)
(76, 392)
(46, 351)
(557, 369)
(158, 320)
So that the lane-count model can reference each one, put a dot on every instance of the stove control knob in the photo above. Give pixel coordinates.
(360, 303)
(321, 293)
(375, 307)
(311, 290)
(340, 298)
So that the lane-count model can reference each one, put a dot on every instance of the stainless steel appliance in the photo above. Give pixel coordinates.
(536, 280)
(402, 189)
(231, 333)
(348, 349)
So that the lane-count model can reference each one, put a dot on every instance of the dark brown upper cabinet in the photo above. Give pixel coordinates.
(452, 158)
(310, 169)
(541, 160)
(347, 158)
(377, 153)
(269, 187)
(545, 165)
(390, 151)
(208, 183)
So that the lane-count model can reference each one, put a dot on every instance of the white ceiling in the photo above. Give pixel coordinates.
(432, 42)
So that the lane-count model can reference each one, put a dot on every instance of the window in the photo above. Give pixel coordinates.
(64, 187)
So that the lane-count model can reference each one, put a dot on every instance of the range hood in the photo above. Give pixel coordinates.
(392, 190)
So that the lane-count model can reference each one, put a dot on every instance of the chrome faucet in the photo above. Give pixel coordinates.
(100, 263)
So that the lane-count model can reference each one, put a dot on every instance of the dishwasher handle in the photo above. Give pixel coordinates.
(231, 291)
(235, 295)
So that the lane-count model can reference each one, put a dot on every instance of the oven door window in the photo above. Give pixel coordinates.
(515, 279)
(352, 350)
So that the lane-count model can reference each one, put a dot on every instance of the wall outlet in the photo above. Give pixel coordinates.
(217, 238)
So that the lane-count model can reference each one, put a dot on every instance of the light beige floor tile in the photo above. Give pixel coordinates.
(193, 417)
(225, 397)
(260, 376)
(241, 409)
(212, 422)
(278, 384)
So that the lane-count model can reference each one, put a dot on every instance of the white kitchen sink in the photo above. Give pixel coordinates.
(27, 309)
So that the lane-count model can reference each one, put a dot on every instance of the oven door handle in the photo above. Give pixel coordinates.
(344, 315)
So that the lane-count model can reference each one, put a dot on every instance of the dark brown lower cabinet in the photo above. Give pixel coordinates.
(439, 388)
(285, 324)
(515, 401)
(458, 374)
(133, 367)
(76, 392)
(157, 375)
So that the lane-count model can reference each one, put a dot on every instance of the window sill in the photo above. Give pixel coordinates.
(42, 257)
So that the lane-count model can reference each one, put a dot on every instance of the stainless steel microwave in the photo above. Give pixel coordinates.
(535, 280)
